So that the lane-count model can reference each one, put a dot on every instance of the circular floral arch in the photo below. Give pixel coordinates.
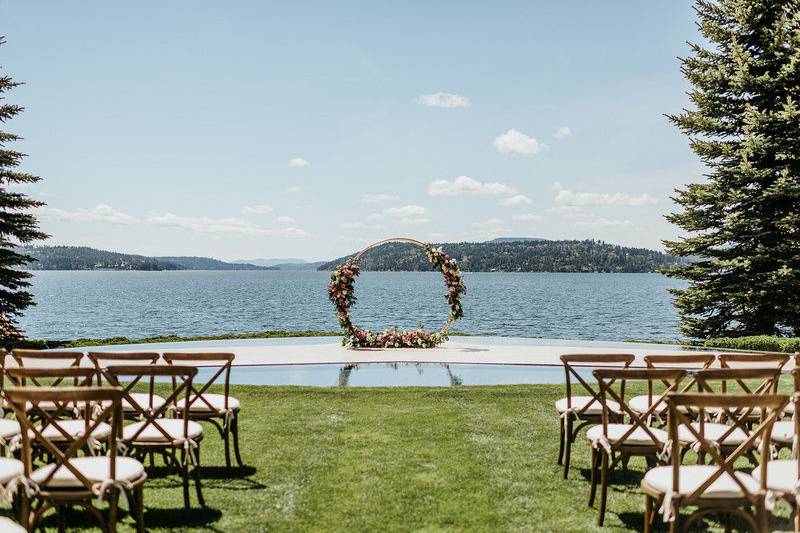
(341, 292)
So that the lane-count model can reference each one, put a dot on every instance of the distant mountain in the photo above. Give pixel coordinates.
(272, 262)
(520, 255)
(299, 266)
(85, 258)
(516, 239)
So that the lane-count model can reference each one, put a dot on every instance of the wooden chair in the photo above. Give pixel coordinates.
(586, 409)
(46, 359)
(69, 479)
(101, 360)
(222, 410)
(9, 427)
(156, 433)
(754, 360)
(783, 475)
(642, 403)
(717, 487)
(612, 443)
(65, 421)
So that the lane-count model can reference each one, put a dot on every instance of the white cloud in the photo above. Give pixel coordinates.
(408, 214)
(527, 217)
(294, 189)
(379, 198)
(562, 133)
(602, 222)
(492, 226)
(517, 143)
(100, 213)
(286, 220)
(446, 100)
(571, 198)
(260, 209)
(298, 162)
(465, 185)
(351, 225)
(516, 200)
(565, 210)
(220, 226)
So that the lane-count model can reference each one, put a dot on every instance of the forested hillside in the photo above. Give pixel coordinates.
(520, 256)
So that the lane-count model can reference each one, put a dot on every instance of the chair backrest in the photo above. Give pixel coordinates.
(46, 358)
(103, 403)
(752, 360)
(570, 361)
(102, 360)
(204, 359)
(771, 405)
(150, 415)
(54, 378)
(606, 377)
(683, 361)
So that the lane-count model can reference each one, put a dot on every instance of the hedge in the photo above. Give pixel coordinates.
(756, 343)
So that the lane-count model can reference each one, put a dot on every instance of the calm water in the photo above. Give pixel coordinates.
(139, 304)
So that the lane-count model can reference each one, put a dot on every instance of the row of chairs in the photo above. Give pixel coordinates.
(722, 414)
(86, 423)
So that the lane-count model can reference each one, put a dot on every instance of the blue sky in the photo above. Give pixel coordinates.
(306, 129)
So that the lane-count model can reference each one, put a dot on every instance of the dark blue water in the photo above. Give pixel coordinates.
(139, 304)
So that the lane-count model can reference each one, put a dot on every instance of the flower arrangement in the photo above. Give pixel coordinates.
(341, 292)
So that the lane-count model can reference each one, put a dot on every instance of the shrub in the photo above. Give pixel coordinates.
(756, 343)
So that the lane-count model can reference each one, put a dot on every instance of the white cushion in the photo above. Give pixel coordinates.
(143, 399)
(789, 409)
(692, 476)
(713, 432)
(75, 428)
(9, 469)
(92, 468)
(9, 526)
(217, 401)
(9, 428)
(640, 404)
(781, 475)
(172, 426)
(638, 437)
(578, 402)
(783, 432)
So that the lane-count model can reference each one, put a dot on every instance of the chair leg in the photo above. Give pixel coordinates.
(235, 428)
(113, 507)
(184, 468)
(560, 442)
(603, 486)
(796, 516)
(568, 443)
(226, 437)
(139, 509)
(593, 474)
(648, 511)
(60, 519)
(196, 472)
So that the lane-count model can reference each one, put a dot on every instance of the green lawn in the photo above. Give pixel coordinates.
(393, 459)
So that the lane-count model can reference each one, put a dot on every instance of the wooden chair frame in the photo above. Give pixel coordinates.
(101, 360)
(225, 420)
(189, 448)
(606, 456)
(749, 506)
(47, 497)
(569, 432)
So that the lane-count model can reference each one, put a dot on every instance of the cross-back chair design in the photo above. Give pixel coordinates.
(62, 421)
(46, 359)
(577, 412)
(783, 475)
(695, 361)
(615, 442)
(717, 487)
(149, 399)
(222, 410)
(69, 479)
(9, 427)
(156, 432)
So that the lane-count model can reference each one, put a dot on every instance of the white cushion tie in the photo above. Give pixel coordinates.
(666, 452)
(668, 510)
(189, 447)
(228, 418)
(697, 446)
(100, 488)
(602, 442)
(20, 482)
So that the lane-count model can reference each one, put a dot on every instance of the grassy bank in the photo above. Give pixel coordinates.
(400, 459)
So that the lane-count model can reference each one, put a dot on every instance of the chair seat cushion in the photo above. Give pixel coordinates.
(713, 432)
(638, 437)
(9, 428)
(172, 426)
(9, 469)
(143, 399)
(9, 526)
(578, 402)
(75, 428)
(92, 468)
(217, 402)
(692, 476)
(783, 432)
(640, 404)
(781, 475)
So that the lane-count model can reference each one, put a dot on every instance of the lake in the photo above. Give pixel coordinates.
(95, 304)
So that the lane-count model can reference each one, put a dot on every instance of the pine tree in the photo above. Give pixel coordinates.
(17, 224)
(743, 221)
